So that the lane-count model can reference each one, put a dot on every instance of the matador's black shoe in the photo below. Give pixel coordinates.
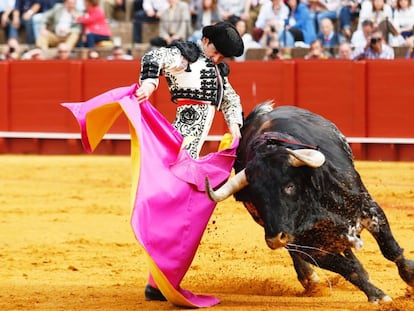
(152, 293)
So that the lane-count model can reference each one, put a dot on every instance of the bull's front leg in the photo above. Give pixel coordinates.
(306, 275)
(406, 269)
(377, 224)
(352, 271)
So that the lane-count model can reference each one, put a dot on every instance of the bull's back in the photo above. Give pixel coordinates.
(304, 126)
(308, 128)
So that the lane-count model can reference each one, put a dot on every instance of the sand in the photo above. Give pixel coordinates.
(66, 244)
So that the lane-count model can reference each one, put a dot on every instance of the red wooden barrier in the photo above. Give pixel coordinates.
(364, 99)
(390, 95)
(333, 89)
(4, 96)
(35, 91)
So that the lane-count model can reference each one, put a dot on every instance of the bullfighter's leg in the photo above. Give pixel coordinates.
(152, 292)
(351, 270)
(306, 275)
(377, 224)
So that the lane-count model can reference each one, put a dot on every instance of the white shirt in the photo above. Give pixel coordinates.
(206, 18)
(6, 5)
(236, 7)
(267, 14)
(368, 13)
(63, 26)
(404, 19)
(80, 5)
(155, 5)
(358, 39)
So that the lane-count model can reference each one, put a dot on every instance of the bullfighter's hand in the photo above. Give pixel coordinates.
(144, 92)
(235, 130)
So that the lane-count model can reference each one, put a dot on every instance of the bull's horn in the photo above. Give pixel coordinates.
(233, 185)
(309, 157)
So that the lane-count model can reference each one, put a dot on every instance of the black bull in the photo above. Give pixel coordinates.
(296, 176)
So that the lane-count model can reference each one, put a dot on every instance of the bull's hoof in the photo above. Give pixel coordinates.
(384, 299)
(310, 282)
(153, 294)
(318, 289)
(406, 270)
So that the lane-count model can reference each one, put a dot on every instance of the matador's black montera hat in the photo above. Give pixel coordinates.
(225, 38)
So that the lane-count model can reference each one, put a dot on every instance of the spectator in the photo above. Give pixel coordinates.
(410, 50)
(344, 51)
(195, 8)
(299, 26)
(6, 9)
(348, 13)
(63, 51)
(150, 13)
(207, 14)
(118, 53)
(93, 54)
(233, 9)
(376, 48)
(175, 24)
(95, 26)
(37, 18)
(253, 9)
(269, 40)
(34, 54)
(316, 51)
(321, 9)
(270, 21)
(247, 38)
(22, 18)
(403, 22)
(111, 6)
(328, 36)
(360, 37)
(273, 51)
(378, 11)
(63, 24)
(10, 51)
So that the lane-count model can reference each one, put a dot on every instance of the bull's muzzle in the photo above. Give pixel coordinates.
(280, 240)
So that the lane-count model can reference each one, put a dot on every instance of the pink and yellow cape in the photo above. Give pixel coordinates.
(170, 209)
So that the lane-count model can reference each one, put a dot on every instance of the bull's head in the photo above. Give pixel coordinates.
(275, 237)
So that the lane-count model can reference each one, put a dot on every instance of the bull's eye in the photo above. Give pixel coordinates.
(290, 189)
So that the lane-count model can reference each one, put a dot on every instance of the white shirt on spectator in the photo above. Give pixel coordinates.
(267, 14)
(236, 7)
(404, 18)
(62, 28)
(367, 12)
(155, 5)
(358, 39)
(6, 5)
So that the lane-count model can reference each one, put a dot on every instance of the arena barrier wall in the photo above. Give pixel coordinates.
(371, 102)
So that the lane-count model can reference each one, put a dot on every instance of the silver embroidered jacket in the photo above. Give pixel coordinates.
(200, 80)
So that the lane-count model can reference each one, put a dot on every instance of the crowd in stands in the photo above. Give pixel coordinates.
(345, 29)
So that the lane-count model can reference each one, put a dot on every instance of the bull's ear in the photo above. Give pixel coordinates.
(309, 157)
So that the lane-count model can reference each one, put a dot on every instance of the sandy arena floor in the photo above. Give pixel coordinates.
(66, 244)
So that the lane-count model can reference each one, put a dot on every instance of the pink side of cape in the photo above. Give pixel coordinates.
(170, 208)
